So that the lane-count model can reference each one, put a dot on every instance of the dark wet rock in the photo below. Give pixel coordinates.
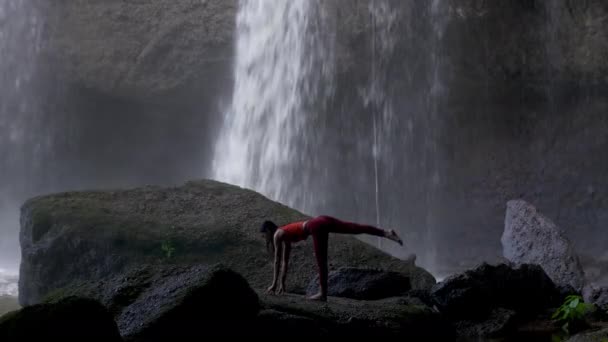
(532, 238)
(363, 284)
(394, 317)
(273, 323)
(600, 335)
(166, 302)
(598, 296)
(69, 319)
(499, 323)
(474, 294)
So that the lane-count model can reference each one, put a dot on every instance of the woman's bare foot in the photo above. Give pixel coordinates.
(319, 297)
(392, 235)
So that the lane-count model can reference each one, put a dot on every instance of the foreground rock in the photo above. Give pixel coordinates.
(165, 302)
(489, 301)
(598, 296)
(476, 293)
(395, 317)
(7, 304)
(71, 319)
(532, 238)
(363, 284)
(88, 236)
(194, 303)
(591, 336)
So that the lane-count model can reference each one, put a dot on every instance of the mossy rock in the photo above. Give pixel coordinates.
(74, 237)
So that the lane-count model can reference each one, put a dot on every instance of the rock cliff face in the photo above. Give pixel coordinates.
(133, 90)
(141, 49)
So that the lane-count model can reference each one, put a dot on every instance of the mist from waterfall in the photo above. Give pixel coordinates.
(23, 141)
(279, 138)
(383, 40)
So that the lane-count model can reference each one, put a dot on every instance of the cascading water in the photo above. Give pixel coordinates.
(22, 143)
(435, 93)
(382, 21)
(277, 139)
(280, 66)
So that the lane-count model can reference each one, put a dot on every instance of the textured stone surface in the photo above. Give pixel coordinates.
(87, 236)
(474, 294)
(69, 319)
(532, 238)
(364, 284)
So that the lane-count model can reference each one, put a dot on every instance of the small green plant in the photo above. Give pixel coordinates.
(571, 315)
(168, 249)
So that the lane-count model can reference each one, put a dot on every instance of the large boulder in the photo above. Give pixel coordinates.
(590, 336)
(365, 284)
(532, 238)
(499, 323)
(70, 319)
(88, 236)
(273, 323)
(161, 302)
(474, 294)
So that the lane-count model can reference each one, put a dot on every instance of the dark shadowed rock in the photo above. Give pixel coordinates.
(474, 294)
(590, 336)
(499, 323)
(363, 284)
(341, 317)
(166, 302)
(70, 319)
(76, 237)
(273, 323)
(532, 238)
(597, 295)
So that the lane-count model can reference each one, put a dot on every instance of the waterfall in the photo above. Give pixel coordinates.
(438, 16)
(376, 99)
(281, 68)
(276, 137)
(22, 143)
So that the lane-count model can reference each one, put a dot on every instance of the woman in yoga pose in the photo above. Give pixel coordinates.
(279, 240)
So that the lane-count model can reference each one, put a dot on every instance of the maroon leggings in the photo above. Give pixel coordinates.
(320, 227)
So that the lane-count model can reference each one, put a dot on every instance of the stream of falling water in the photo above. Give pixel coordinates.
(382, 20)
(280, 65)
(22, 140)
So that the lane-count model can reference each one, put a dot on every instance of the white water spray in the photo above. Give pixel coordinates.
(279, 66)
(22, 141)
(382, 20)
